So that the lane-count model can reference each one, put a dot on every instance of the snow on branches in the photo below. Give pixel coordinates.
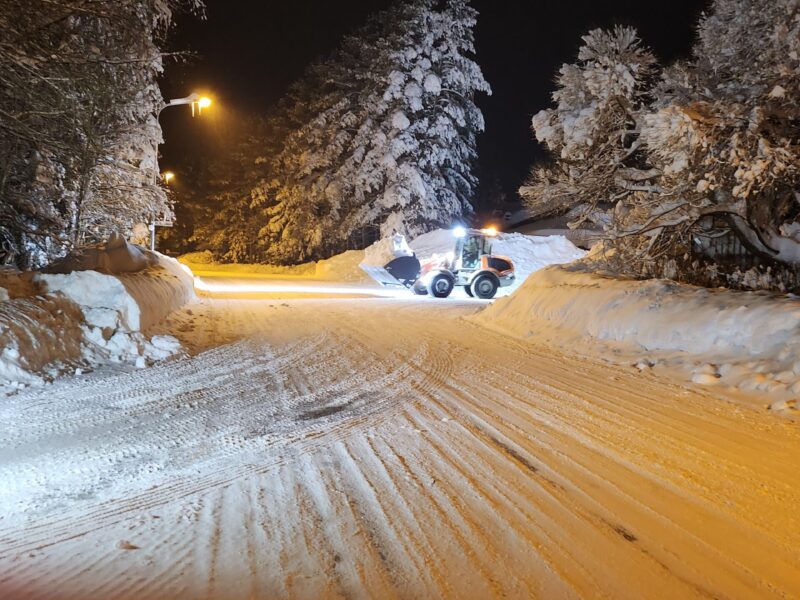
(593, 131)
(78, 154)
(712, 137)
(384, 135)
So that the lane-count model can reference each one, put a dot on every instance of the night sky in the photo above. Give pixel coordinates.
(249, 51)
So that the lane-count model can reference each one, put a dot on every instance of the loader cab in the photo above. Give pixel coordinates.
(474, 266)
(470, 248)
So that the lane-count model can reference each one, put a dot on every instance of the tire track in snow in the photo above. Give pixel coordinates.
(507, 423)
(375, 378)
(539, 482)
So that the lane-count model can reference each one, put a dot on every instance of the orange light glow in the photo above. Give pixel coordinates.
(490, 231)
(199, 104)
(266, 287)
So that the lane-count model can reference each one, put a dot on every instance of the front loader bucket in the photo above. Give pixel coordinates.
(403, 271)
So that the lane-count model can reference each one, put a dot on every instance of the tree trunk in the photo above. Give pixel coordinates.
(83, 193)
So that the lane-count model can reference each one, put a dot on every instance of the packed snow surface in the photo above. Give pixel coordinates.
(387, 448)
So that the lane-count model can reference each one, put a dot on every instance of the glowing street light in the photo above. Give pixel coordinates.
(201, 103)
(168, 176)
(197, 101)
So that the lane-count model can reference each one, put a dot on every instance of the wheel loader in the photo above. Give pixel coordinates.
(470, 265)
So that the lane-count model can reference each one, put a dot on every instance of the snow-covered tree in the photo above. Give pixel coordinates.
(216, 214)
(709, 147)
(726, 127)
(593, 132)
(387, 136)
(78, 110)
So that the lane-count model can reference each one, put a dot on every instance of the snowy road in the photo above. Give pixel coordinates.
(380, 448)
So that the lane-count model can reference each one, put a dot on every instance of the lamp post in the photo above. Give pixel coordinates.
(198, 103)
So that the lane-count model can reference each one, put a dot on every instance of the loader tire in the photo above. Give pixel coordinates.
(484, 286)
(441, 285)
(419, 289)
(468, 291)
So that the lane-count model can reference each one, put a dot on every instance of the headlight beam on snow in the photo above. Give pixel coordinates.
(283, 288)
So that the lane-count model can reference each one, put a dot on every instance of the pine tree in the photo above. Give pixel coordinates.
(387, 138)
(226, 184)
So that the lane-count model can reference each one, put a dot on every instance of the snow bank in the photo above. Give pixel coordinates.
(748, 340)
(532, 253)
(343, 268)
(17, 284)
(131, 301)
(438, 241)
(203, 263)
(159, 290)
(386, 250)
(87, 318)
(37, 334)
(116, 256)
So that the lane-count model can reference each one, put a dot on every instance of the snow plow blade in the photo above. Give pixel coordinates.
(403, 271)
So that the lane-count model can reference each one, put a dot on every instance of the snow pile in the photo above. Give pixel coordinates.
(532, 253)
(746, 340)
(103, 299)
(17, 284)
(386, 250)
(132, 301)
(343, 268)
(114, 257)
(37, 334)
(436, 242)
(88, 318)
(159, 290)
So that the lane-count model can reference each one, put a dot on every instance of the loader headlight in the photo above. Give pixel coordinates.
(459, 232)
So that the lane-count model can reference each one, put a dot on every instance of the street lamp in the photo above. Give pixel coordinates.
(168, 176)
(201, 103)
(198, 103)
